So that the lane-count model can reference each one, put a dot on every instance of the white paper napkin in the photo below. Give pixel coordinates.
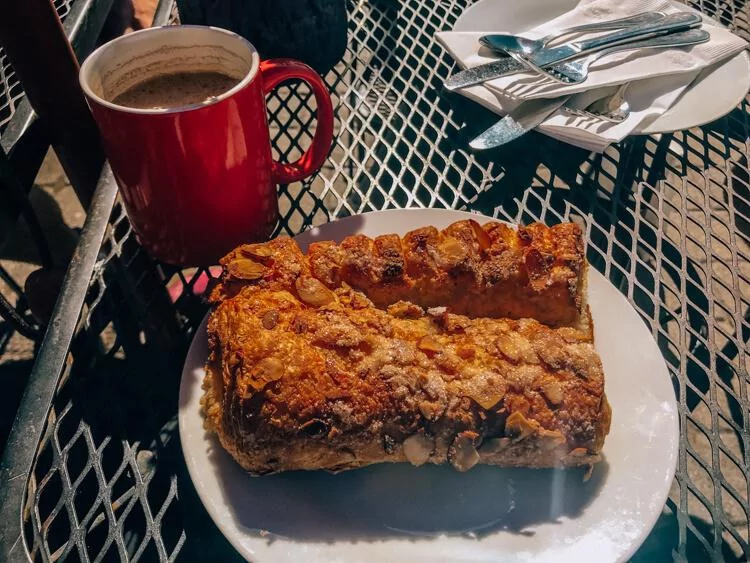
(648, 99)
(657, 78)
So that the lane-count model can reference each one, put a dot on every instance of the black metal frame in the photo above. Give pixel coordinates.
(22, 140)
(23, 145)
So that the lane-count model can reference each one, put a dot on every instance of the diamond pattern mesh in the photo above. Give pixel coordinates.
(667, 220)
(11, 91)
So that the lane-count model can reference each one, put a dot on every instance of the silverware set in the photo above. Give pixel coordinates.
(502, 43)
(569, 64)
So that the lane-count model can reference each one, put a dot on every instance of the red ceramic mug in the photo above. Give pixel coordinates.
(198, 180)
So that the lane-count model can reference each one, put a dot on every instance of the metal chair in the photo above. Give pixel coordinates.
(41, 105)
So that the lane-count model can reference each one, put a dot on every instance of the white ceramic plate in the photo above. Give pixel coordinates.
(396, 512)
(714, 93)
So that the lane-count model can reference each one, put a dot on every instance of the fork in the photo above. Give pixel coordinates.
(577, 71)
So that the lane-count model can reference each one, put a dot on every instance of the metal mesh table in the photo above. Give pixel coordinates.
(667, 221)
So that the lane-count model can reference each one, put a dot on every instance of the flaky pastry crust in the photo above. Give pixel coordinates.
(494, 270)
(309, 378)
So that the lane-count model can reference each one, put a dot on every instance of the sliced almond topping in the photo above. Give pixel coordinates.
(271, 368)
(450, 253)
(429, 343)
(270, 319)
(313, 292)
(553, 393)
(267, 370)
(314, 427)
(405, 310)
(243, 269)
(448, 322)
(579, 452)
(538, 268)
(360, 301)
(418, 448)
(257, 251)
(483, 387)
(507, 345)
(551, 353)
(483, 239)
(488, 398)
(551, 439)
(516, 348)
(429, 410)
(463, 453)
(518, 427)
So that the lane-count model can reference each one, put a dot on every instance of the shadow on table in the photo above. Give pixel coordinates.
(660, 544)
(124, 399)
(398, 500)
(13, 375)
(572, 173)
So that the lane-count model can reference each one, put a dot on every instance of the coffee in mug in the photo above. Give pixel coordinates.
(176, 90)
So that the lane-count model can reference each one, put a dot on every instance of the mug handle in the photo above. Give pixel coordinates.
(276, 71)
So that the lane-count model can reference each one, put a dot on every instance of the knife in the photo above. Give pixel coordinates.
(517, 123)
(547, 57)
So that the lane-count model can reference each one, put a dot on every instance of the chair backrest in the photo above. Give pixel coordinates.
(42, 105)
(36, 45)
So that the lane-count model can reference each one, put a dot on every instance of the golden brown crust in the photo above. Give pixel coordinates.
(480, 271)
(340, 383)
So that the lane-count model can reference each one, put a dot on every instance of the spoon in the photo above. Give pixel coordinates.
(502, 43)
(612, 108)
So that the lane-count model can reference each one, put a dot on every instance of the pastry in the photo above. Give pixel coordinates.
(312, 378)
(494, 270)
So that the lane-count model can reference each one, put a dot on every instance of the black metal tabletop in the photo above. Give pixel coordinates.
(93, 470)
